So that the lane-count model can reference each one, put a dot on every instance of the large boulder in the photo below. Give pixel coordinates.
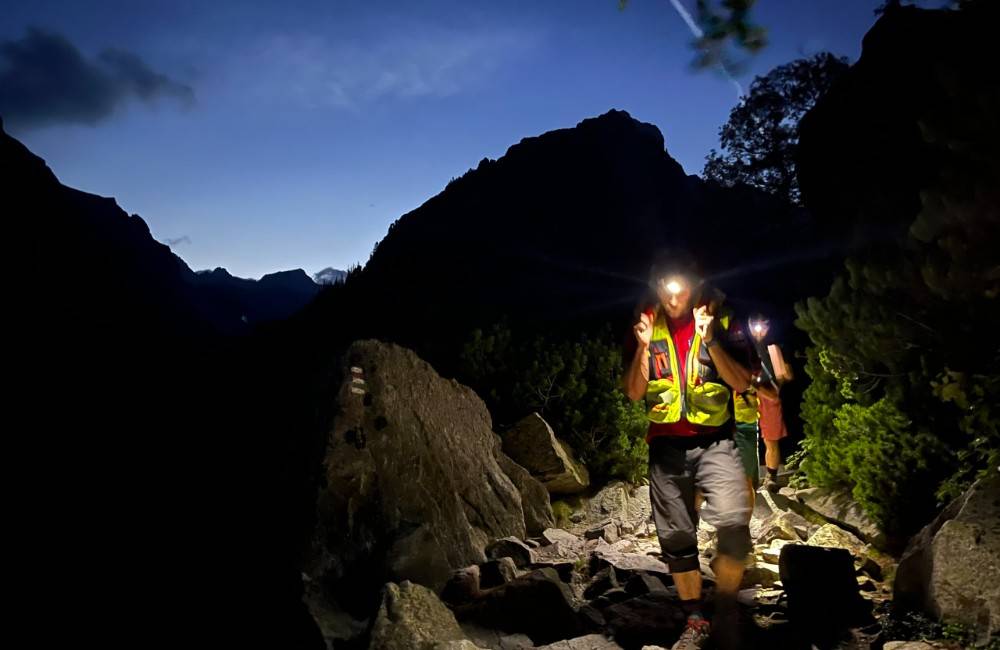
(610, 502)
(625, 563)
(496, 639)
(513, 548)
(840, 508)
(789, 526)
(411, 616)
(534, 497)
(651, 618)
(832, 536)
(622, 503)
(565, 543)
(822, 589)
(951, 569)
(413, 484)
(532, 444)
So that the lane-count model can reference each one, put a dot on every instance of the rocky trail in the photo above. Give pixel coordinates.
(433, 534)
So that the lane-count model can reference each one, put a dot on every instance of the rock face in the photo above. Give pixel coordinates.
(414, 486)
(411, 616)
(786, 525)
(831, 536)
(622, 504)
(840, 508)
(951, 569)
(534, 497)
(532, 444)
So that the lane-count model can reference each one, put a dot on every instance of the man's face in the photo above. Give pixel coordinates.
(676, 295)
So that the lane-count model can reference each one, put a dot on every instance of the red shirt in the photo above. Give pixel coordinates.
(682, 332)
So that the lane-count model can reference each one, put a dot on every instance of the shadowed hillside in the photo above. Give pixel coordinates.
(139, 470)
(559, 233)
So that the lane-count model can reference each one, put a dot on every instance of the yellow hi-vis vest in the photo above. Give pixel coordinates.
(670, 397)
(745, 406)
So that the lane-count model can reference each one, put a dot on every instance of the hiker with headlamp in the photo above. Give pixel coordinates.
(684, 366)
(758, 409)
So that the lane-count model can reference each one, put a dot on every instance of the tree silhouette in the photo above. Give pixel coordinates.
(759, 140)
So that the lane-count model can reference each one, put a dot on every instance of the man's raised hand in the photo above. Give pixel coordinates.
(703, 323)
(643, 330)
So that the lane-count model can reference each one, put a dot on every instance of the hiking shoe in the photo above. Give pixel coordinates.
(694, 636)
(771, 485)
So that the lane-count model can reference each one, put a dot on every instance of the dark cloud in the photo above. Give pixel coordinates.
(45, 79)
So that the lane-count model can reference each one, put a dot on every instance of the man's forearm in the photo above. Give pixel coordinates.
(636, 378)
(732, 372)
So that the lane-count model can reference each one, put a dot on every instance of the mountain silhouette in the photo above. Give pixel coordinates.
(559, 233)
(133, 282)
(868, 147)
(233, 303)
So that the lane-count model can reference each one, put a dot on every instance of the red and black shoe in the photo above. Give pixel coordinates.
(695, 634)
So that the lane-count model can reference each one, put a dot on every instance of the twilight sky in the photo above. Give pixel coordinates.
(260, 136)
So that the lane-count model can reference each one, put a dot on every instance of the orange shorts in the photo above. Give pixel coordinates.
(772, 423)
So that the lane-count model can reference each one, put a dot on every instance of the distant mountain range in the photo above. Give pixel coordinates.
(126, 279)
(330, 275)
(274, 297)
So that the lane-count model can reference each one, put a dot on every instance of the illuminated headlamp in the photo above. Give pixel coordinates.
(673, 285)
(759, 327)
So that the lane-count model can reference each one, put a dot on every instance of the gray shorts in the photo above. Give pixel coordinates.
(710, 463)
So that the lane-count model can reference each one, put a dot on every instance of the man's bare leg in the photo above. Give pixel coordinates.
(695, 633)
(772, 454)
(688, 584)
(725, 625)
(728, 576)
(772, 460)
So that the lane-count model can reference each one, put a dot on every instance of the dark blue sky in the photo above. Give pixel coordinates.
(275, 137)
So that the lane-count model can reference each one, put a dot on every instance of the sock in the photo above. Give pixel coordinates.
(692, 608)
(773, 473)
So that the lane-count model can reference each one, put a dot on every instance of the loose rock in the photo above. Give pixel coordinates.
(589, 642)
(511, 547)
(538, 604)
(532, 444)
(497, 572)
(648, 619)
(411, 616)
